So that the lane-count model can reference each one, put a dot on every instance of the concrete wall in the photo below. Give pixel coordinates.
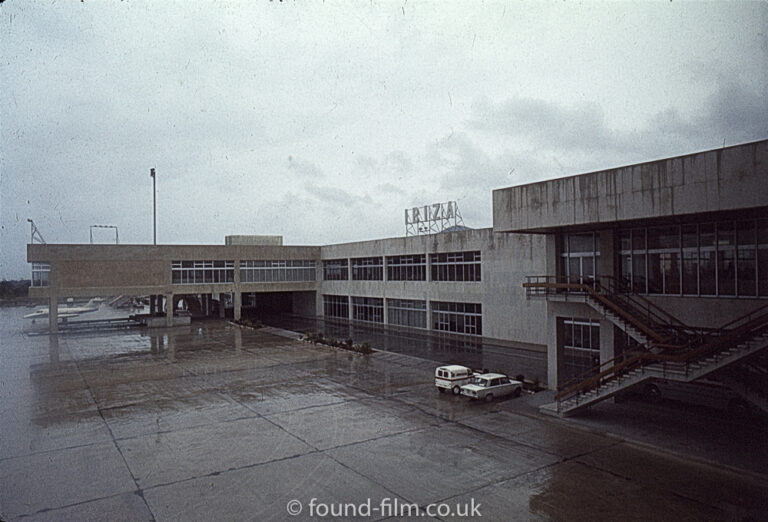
(505, 261)
(98, 270)
(732, 178)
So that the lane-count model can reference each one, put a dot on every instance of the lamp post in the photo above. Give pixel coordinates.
(154, 205)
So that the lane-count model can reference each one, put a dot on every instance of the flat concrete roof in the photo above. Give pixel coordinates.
(727, 179)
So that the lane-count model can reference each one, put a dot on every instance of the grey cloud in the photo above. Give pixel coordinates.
(304, 169)
(732, 112)
(389, 189)
(398, 162)
(545, 122)
(333, 196)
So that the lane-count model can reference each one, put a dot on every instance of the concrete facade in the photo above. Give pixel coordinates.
(714, 188)
(506, 260)
(728, 179)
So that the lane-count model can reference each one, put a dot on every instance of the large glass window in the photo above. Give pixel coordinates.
(368, 269)
(456, 266)
(41, 274)
(369, 309)
(202, 272)
(728, 258)
(581, 346)
(663, 260)
(336, 306)
(746, 258)
(407, 312)
(277, 271)
(464, 318)
(579, 254)
(407, 268)
(762, 257)
(336, 270)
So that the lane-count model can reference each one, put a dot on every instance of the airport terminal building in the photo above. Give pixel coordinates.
(657, 257)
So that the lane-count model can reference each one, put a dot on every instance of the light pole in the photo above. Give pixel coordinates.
(154, 205)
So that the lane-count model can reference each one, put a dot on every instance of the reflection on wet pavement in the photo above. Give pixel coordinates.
(210, 421)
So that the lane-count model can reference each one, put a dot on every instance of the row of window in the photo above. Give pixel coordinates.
(446, 316)
(579, 255)
(41, 274)
(452, 266)
(727, 258)
(202, 272)
(277, 271)
(259, 271)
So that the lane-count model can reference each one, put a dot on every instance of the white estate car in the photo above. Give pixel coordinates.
(452, 377)
(490, 385)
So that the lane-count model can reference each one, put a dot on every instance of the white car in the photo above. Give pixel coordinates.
(452, 377)
(490, 385)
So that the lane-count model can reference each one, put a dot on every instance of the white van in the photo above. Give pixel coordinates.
(452, 377)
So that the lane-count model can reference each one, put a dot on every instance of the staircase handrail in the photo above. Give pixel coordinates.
(595, 294)
(715, 344)
(746, 317)
(618, 286)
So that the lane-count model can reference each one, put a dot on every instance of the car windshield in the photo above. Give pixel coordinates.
(479, 381)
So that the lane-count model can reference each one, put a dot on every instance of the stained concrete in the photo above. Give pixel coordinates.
(210, 422)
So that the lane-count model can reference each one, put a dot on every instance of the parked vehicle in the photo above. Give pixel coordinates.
(490, 385)
(704, 392)
(452, 377)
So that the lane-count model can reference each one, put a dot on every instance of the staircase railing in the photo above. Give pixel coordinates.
(647, 317)
(730, 334)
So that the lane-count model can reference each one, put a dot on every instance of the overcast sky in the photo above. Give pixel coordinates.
(322, 121)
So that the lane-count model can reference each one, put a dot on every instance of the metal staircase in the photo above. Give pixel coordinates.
(633, 314)
(729, 344)
(667, 349)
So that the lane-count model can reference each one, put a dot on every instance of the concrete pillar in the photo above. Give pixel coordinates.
(221, 306)
(53, 349)
(555, 340)
(171, 348)
(169, 310)
(607, 344)
(53, 314)
(385, 315)
(238, 340)
(237, 300)
(606, 264)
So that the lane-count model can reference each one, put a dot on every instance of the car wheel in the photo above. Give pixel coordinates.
(441, 390)
(456, 390)
(517, 392)
(652, 393)
(489, 397)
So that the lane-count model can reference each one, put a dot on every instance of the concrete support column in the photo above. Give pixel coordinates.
(607, 344)
(53, 314)
(171, 348)
(53, 350)
(221, 306)
(555, 342)
(606, 265)
(238, 340)
(169, 310)
(385, 315)
(237, 300)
